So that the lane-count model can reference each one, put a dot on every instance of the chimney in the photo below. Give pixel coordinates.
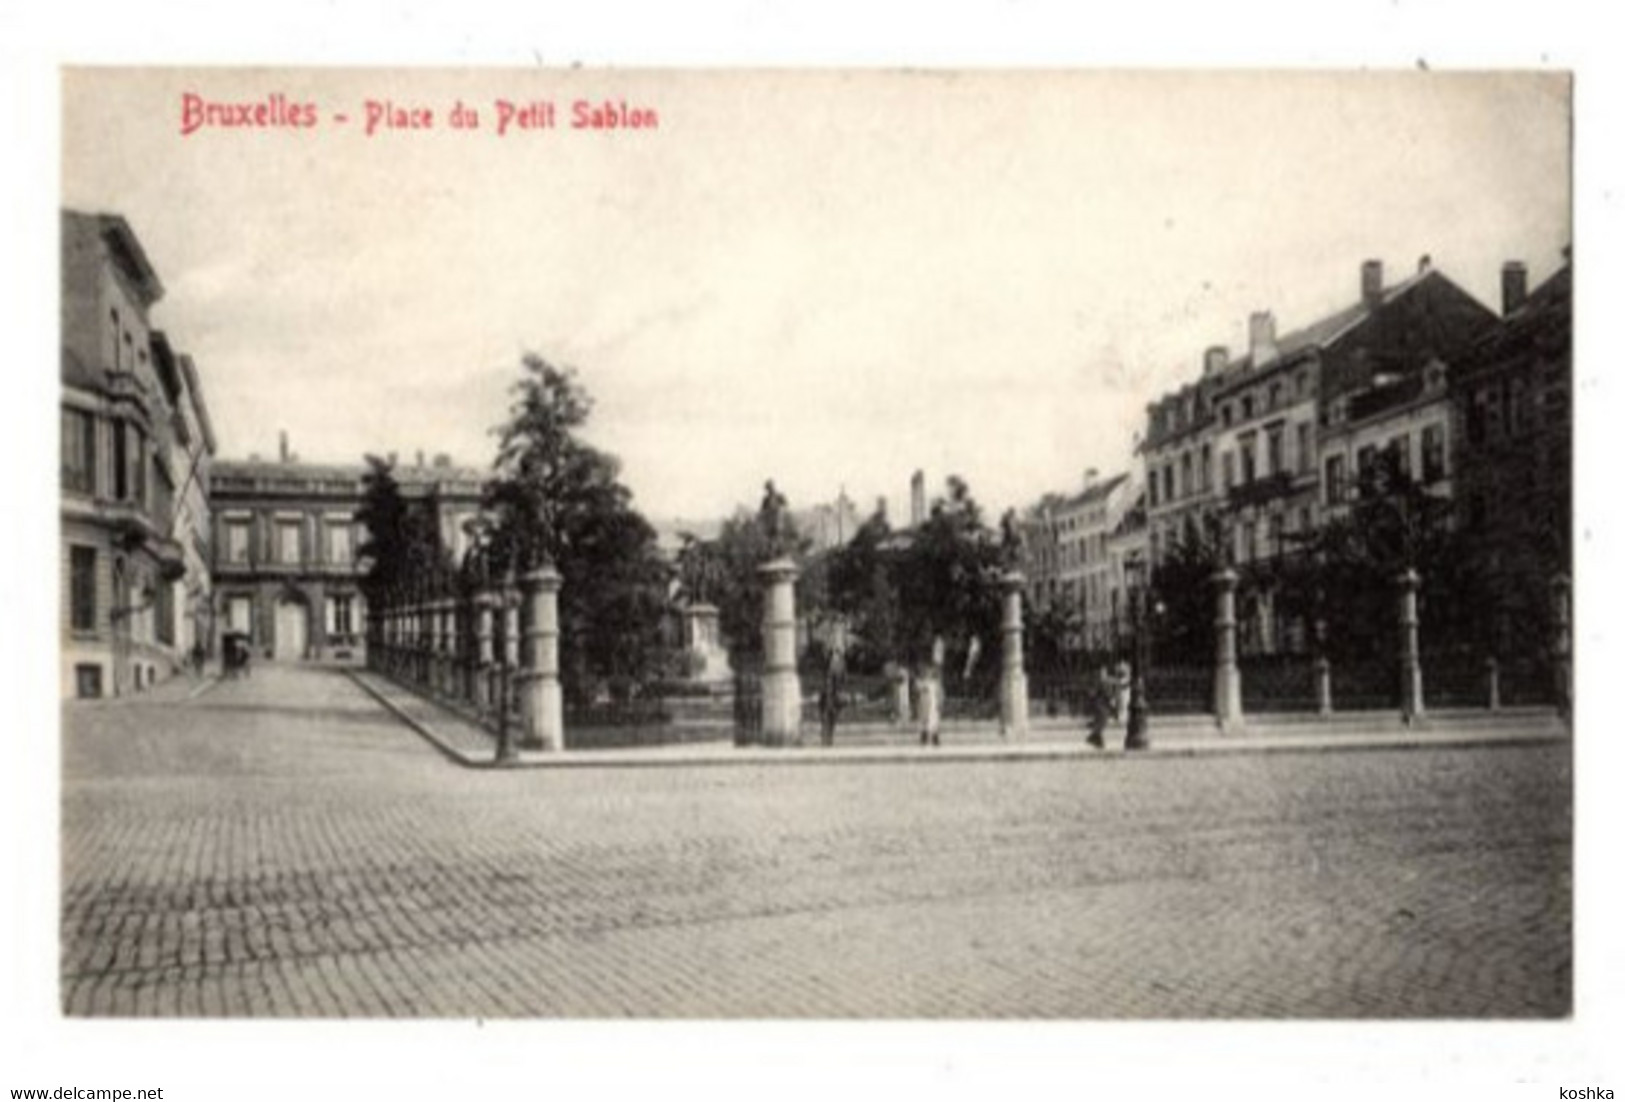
(880, 506)
(1261, 337)
(420, 458)
(282, 445)
(442, 460)
(1215, 360)
(1514, 286)
(1089, 477)
(1425, 264)
(916, 499)
(1371, 283)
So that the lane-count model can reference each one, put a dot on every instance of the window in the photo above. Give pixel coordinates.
(1247, 407)
(1400, 446)
(287, 542)
(1306, 520)
(1275, 395)
(1186, 486)
(342, 614)
(237, 541)
(1249, 470)
(1335, 489)
(164, 606)
(1168, 482)
(1228, 462)
(116, 331)
(1306, 448)
(1224, 415)
(82, 588)
(338, 543)
(1275, 442)
(1247, 536)
(1151, 490)
(1365, 463)
(1277, 533)
(121, 461)
(1432, 453)
(1207, 468)
(78, 451)
(240, 614)
(138, 465)
(87, 681)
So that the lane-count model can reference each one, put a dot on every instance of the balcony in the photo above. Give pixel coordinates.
(1268, 488)
(261, 568)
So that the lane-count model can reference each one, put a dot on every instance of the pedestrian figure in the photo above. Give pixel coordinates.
(930, 684)
(1120, 687)
(829, 698)
(1100, 702)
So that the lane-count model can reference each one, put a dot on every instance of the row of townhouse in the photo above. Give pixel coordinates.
(164, 547)
(1259, 452)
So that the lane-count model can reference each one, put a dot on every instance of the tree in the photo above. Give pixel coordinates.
(947, 581)
(401, 553)
(554, 499)
(1182, 582)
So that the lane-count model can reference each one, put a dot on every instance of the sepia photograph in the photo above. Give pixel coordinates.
(746, 550)
(679, 544)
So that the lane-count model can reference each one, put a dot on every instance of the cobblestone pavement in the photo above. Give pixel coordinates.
(284, 846)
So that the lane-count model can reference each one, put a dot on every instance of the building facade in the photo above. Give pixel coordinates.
(1512, 416)
(136, 443)
(1066, 557)
(286, 544)
(1287, 424)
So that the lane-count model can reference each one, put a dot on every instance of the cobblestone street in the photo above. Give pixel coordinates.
(285, 846)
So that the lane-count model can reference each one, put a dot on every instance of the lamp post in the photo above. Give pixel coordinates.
(1136, 737)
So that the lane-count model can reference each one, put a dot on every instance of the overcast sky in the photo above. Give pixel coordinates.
(824, 279)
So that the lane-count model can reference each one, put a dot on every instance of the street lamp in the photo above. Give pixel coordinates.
(1136, 738)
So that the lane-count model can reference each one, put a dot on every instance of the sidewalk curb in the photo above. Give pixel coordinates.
(445, 748)
(666, 758)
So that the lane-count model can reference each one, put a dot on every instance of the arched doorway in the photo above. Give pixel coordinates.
(292, 637)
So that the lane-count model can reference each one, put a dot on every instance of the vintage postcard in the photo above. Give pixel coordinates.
(678, 545)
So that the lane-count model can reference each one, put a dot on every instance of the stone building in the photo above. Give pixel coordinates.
(1512, 441)
(1177, 453)
(286, 541)
(136, 443)
(1066, 557)
(1262, 421)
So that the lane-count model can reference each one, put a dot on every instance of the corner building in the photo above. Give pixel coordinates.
(136, 446)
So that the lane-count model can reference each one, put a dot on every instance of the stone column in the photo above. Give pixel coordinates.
(1410, 658)
(1013, 676)
(1323, 684)
(541, 698)
(480, 685)
(1492, 680)
(1226, 673)
(781, 688)
(1562, 646)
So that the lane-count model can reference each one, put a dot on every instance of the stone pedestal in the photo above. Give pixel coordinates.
(1410, 658)
(781, 687)
(1492, 684)
(1323, 685)
(1226, 673)
(541, 698)
(1013, 675)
